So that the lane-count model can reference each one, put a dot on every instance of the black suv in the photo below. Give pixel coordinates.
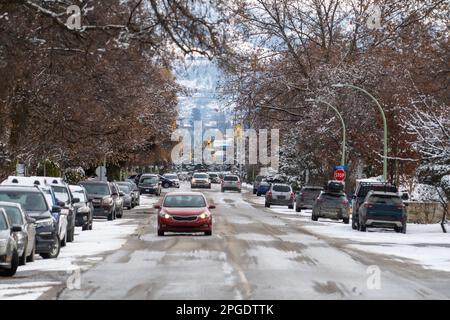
(361, 191)
(35, 205)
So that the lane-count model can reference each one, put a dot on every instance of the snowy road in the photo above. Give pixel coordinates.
(258, 253)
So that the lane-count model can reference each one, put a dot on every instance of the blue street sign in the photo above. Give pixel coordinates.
(341, 168)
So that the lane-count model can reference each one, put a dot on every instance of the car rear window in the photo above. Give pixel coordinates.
(231, 178)
(149, 180)
(97, 189)
(364, 189)
(213, 175)
(184, 201)
(386, 200)
(281, 188)
(332, 196)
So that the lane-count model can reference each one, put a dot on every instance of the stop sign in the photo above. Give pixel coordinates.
(339, 175)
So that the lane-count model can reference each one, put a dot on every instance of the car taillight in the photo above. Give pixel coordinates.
(269, 194)
(368, 205)
(292, 195)
(401, 206)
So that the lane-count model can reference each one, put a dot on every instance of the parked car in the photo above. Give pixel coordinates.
(84, 210)
(200, 180)
(35, 205)
(126, 189)
(256, 183)
(215, 178)
(118, 197)
(63, 194)
(263, 187)
(280, 195)
(42, 183)
(382, 210)
(173, 182)
(331, 205)
(150, 184)
(184, 212)
(306, 197)
(361, 190)
(26, 238)
(136, 195)
(231, 182)
(9, 255)
(100, 194)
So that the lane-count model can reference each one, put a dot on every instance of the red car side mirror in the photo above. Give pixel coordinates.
(212, 206)
(157, 206)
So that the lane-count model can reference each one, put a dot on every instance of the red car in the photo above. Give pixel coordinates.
(184, 212)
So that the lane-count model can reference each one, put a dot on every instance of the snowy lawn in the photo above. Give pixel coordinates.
(83, 253)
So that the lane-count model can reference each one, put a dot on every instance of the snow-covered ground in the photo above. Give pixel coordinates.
(426, 245)
(87, 249)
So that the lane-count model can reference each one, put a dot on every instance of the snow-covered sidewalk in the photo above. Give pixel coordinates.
(87, 249)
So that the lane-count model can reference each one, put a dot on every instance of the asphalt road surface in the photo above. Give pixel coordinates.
(253, 253)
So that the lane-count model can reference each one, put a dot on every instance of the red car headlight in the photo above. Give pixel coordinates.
(204, 215)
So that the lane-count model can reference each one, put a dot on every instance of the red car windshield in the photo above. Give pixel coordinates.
(184, 201)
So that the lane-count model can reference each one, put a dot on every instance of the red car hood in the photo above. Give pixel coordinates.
(184, 211)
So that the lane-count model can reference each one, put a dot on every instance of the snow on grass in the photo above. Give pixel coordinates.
(423, 244)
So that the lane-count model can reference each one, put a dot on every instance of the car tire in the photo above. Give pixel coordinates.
(160, 233)
(110, 216)
(267, 205)
(297, 209)
(362, 227)
(314, 218)
(346, 220)
(71, 235)
(30, 258)
(222, 190)
(354, 224)
(55, 252)
(14, 265)
(254, 191)
(208, 233)
(85, 227)
(291, 206)
(258, 194)
(166, 185)
(23, 258)
(64, 241)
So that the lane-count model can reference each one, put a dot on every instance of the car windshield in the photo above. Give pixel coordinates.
(30, 201)
(281, 188)
(149, 180)
(213, 175)
(97, 188)
(184, 201)
(3, 224)
(61, 193)
(200, 176)
(124, 188)
(80, 195)
(14, 215)
(170, 176)
(386, 200)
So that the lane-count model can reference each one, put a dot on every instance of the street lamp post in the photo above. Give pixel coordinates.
(344, 130)
(385, 149)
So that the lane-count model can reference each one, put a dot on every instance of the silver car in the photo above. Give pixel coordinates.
(26, 238)
(280, 195)
(200, 180)
(231, 182)
(331, 205)
(9, 256)
(306, 197)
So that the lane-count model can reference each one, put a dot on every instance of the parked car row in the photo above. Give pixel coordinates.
(374, 204)
(38, 215)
